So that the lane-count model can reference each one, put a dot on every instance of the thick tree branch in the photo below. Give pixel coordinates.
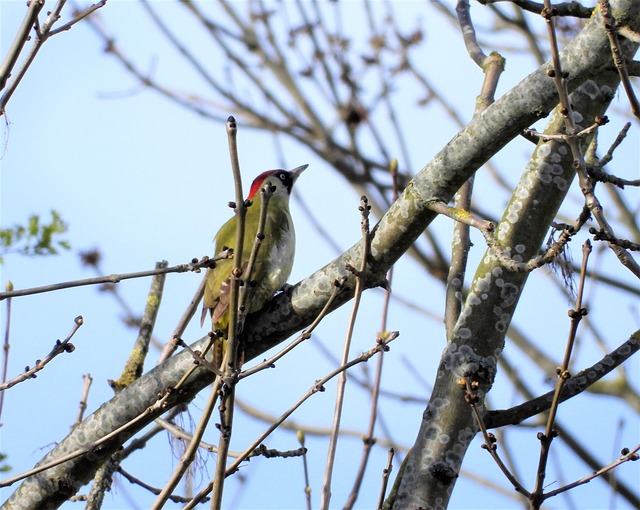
(407, 218)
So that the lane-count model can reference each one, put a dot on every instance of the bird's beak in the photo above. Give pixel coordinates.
(295, 173)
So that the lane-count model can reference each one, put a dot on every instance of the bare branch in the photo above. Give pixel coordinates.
(193, 266)
(574, 386)
(59, 348)
(317, 387)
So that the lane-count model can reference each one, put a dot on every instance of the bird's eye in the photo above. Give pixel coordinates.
(282, 176)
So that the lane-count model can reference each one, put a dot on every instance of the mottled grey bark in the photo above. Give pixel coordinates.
(448, 426)
(474, 347)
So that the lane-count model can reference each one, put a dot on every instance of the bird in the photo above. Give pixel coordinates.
(274, 260)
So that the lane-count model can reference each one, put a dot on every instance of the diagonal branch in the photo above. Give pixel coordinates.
(534, 97)
(576, 385)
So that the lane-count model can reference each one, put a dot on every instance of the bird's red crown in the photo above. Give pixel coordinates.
(257, 182)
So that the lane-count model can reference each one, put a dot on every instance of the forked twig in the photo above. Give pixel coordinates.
(592, 205)
(577, 384)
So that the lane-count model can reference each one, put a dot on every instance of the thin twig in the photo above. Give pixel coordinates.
(42, 33)
(556, 73)
(611, 28)
(385, 478)
(307, 484)
(469, 33)
(626, 455)
(592, 204)
(266, 191)
(490, 440)
(140, 442)
(596, 167)
(309, 429)
(550, 254)
(179, 433)
(198, 356)
(583, 133)
(230, 368)
(604, 160)
(338, 286)
(318, 386)
(572, 9)
(59, 348)
(342, 380)
(91, 447)
(5, 348)
(134, 366)
(153, 490)
(194, 266)
(461, 215)
(78, 16)
(601, 176)
(537, 496)
(194, 444)
(602, 235)
(368, 439)
(577, 384)
(87, 381)
(171, 346)
(17, 45)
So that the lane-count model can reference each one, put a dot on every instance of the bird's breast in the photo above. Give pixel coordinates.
(275, 260)
(280, 258)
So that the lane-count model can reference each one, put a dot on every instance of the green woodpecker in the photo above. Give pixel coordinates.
(274, 260)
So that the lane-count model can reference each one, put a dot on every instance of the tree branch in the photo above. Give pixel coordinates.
(288, 312)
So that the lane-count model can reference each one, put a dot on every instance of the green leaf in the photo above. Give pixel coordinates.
(34, 221)
(3, 466)
(36, 238)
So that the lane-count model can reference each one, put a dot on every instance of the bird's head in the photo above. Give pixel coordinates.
(283, 181)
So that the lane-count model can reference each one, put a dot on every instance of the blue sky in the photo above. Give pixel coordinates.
(145, 180)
